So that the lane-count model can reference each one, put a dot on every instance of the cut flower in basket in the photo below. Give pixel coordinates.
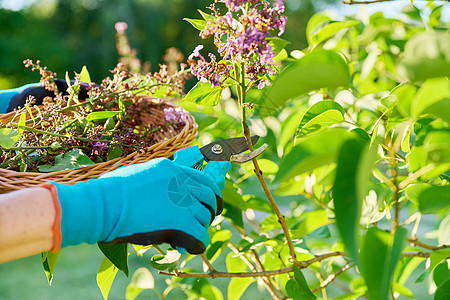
(120, 117)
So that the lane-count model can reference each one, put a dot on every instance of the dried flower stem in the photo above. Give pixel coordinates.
(241, 100)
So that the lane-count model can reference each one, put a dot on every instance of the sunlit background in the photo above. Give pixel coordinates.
(65, 35)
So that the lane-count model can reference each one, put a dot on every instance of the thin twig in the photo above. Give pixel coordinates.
(211, 269)
(415, 241)
(332, 277)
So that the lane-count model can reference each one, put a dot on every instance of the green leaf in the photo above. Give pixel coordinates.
(109, 124)
(204, 94)
(330, 29)
(49, 260)
(101, 115)
(441, 273)
(350, 187)
(315, 23)
(117, 254)
(402, 96)
(313, 220)
(113, 152)
(233, 213)
(196, 23)
(74, 159)
(320, 115)
(277, 44)
(444, 231)
(166, 262)
(68, 80)
(141, 280)
(431, 199)
(237, 287)
(426, 55)
(8, 137)
(380, 254)
(433, 97)
(219, 242)
(22, 122)
(436, 257)
(406, 272)
(402, 290)
(443, 291)
(297, 288)
(235, 264)
(84, 75)
(436, 146)
(312, 152)
(206, 16)
(105, 276)
(203, 120)
(231, 195)
(316, 70)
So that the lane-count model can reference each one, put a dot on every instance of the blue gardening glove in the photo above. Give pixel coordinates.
(160, 201)
(14, 98)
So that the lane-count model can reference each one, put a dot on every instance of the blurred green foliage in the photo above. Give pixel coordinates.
(66, 35)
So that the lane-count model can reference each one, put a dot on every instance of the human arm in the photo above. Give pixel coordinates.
(26, 220)
(160, 201)
(16, 97)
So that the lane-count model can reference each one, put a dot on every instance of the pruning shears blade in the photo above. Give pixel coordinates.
(224, 150)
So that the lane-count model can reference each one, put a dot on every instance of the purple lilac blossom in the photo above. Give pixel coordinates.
(170, 114)
(101, 146)
(263, 83)
(244, 43)
(234, 5)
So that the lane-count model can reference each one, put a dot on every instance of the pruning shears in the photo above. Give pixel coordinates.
(230, 150)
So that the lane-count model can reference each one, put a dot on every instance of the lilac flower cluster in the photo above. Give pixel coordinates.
(213, 72)
(241, 40)
(175, 115)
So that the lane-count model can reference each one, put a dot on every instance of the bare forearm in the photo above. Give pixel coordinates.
(26, 220)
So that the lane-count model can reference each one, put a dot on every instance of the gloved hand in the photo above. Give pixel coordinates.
(13, 98)
(160, 201)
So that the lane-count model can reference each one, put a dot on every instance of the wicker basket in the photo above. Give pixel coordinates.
(165, 147)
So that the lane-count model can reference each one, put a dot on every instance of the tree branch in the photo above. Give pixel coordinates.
(256, 274)
(352, 2)
(240, 88)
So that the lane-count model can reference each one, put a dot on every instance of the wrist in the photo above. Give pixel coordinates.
(82, 211)
(56, 227)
